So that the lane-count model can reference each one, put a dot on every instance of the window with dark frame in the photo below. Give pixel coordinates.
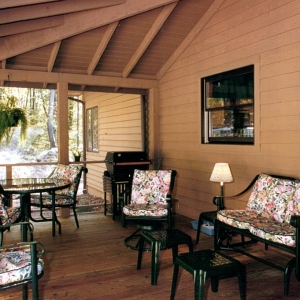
(92, 129)
(227, 101)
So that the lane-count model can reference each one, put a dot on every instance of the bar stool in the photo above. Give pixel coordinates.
(209, 264)
(160, 240)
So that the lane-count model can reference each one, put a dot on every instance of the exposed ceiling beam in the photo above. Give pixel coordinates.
(52, 59)
(157, 24)
(37, 11)
(191, 36)
(101, 47)
(27, 26)
(13, 3)
(77, 79)
(74, 24)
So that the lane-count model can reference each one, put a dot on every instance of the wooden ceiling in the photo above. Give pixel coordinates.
(95, 45)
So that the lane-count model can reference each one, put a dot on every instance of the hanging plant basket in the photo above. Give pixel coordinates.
(11, 117)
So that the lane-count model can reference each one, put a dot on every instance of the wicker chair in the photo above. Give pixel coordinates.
(149, 202)
(21, 264)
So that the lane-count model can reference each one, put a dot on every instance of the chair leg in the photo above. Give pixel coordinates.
(140, 252)
(199, 284)
(155, 250)
(174, 281)
(25, 291)
(242, 281)
(75, 216)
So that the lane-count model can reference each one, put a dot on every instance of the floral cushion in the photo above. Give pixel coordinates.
(237, 218)
(293, 206)
(8, 215)
(269, 209)
(15, 264)
(60, 200)
(67, 172)
(65, 196)
(149, 193)
(270, 197)
(149, 210)
(277, 232)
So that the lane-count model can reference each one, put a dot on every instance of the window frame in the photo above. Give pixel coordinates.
(92, 135)
(230, 135)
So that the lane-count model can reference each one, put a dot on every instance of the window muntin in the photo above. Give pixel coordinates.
(92, 129)
(228, 107)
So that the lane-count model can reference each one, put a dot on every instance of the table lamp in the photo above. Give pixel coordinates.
(221, 173)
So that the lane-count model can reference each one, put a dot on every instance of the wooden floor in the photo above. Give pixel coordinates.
(92, 263)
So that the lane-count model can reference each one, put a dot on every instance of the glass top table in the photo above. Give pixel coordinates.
(26, 186)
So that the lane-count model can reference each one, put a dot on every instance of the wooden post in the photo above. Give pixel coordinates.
(63, 131)
(62, 123)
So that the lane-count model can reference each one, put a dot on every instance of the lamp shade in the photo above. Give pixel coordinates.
(221, 173)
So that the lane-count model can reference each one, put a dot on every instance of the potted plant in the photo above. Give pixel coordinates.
(10, 117)
(77, 154)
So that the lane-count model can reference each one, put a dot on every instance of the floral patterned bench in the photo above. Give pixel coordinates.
(272, 216)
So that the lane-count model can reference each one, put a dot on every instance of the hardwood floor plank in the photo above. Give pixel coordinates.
(92, 263)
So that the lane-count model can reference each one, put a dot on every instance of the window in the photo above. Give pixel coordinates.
(92, 129)
(228, 107)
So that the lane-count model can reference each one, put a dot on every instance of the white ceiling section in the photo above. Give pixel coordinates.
(95, 45)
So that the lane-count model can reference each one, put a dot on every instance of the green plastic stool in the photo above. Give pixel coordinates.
(159, 240)
(209, 264)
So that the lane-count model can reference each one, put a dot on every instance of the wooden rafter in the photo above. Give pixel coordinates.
(52, 59)
(21, 43)
(199, 26)
(158, 23)
(100, 49)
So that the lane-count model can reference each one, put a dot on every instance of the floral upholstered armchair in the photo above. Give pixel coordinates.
(63, 198)
(149, 202)
(8, 215)
(21, 264)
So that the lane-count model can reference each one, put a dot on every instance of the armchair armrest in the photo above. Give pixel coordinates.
(216, 199)
(19, 246)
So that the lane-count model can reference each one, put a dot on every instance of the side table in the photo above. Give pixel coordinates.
(209, 216)
(159, 240)
(209, 264)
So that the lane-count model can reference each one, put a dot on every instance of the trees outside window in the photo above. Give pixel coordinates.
(41, 139)
(227, 102)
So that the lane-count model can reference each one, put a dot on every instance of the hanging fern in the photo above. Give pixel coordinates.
(10, 117)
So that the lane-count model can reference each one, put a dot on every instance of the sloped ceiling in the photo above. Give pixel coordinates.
(95, 45)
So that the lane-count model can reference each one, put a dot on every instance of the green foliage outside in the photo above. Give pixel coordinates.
(38, 135)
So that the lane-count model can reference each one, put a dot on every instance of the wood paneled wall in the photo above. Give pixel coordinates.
(119, 129)
(265, 33)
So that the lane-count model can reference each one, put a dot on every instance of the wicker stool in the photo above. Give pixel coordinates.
(209, 264)
(159, 240)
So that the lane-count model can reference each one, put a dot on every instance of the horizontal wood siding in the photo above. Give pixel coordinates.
(119, 129)
(265, 33)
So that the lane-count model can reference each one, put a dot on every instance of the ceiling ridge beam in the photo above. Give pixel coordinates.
(158, 23)
(13, 3)
(38, 11)
(190, 37)
(77, 79)
(74, 24)
(27, 26)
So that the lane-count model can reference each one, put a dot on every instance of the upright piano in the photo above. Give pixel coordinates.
(117, 177)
